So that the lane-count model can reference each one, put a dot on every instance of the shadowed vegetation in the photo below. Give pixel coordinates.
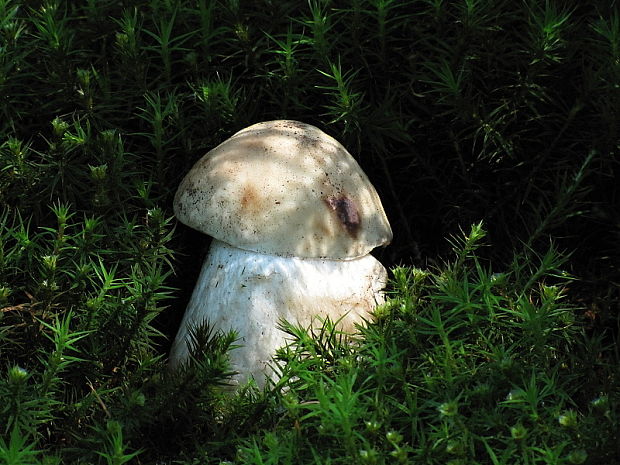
(460, 112)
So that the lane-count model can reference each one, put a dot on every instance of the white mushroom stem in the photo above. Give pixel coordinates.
(251, 292)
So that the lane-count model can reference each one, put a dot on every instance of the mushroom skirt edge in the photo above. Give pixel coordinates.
(252, 292)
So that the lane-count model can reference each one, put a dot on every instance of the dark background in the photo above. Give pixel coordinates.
(505, 112)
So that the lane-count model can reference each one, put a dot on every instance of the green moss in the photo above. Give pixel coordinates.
(463, 111)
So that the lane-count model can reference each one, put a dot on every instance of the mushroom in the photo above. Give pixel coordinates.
(293, 218)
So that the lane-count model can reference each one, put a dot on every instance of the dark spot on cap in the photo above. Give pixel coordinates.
(346, 212)
(308, 141)
(250, 200)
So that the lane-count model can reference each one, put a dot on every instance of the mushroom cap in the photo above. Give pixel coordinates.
(284, 188)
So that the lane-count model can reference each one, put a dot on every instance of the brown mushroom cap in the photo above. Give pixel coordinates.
(284, 188)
